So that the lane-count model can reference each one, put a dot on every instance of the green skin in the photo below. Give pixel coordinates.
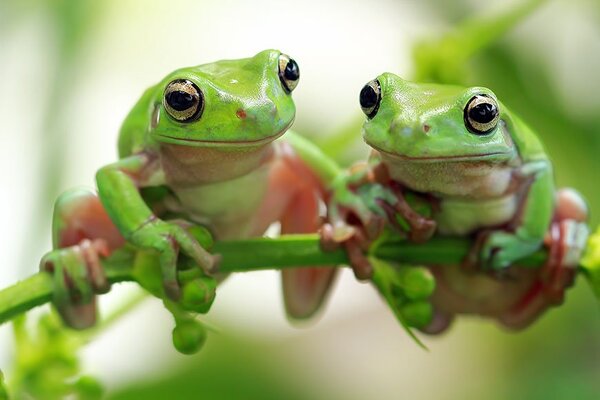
(225, 170)
(482, 181)
(496, 187)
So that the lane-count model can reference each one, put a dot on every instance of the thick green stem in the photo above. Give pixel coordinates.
(289, 251)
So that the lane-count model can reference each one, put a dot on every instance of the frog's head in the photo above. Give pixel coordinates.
(433, 123)
(228, 103)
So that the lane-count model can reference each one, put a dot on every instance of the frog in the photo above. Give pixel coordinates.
(209, 146)
(485, 175)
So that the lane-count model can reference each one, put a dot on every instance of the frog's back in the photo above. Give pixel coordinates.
(133, 135)
(528, 144)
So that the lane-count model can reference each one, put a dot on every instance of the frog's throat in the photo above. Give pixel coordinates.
(222, 143)
(498, 156)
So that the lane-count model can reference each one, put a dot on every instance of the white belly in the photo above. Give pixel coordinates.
(227, 208)
(462, 216)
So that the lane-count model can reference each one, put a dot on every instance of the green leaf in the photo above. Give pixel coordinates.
(590, 263)
(3, 392)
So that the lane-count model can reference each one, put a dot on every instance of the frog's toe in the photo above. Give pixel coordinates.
(440, 322)
(566, 242)
(363, 270)
(499, 260)
(172, 289)
(493, 256)
(91, 251)
(78, 276)
(326, 238)
(183, 239)
(574, 237)
(81, 316)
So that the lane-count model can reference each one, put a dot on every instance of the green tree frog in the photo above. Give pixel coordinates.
(202, 146)
(486, 176)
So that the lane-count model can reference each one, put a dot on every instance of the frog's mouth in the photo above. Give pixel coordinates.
(222, 143)
(497, 156)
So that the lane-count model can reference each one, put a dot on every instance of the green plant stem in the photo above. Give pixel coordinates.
(290, 251)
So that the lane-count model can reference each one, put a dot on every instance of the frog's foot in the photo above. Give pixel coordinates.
(167, 238)
(355, 242)
(421, 228)
(440, 322)
(494, 251)
(355, 214)
(471, 263)
(78, 276)
(566, 241)
(352, 225)
(83, 232)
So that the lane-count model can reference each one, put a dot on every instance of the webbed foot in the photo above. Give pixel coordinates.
(167, 238)
(78, 277)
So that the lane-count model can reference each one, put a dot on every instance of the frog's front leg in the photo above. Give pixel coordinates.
(524, 234)
(354, 216)
(362, 202)
(420, 227)
(565, 241)
(118, 188)
(82, 233)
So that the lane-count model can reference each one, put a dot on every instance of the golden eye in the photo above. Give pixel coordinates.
(370, 97)
(289, 73)
(183, 100)
(481, 114)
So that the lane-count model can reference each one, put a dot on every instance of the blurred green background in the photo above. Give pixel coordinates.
(71, 69)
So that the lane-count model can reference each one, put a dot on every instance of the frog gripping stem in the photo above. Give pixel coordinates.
(82, 235)
(78, 277)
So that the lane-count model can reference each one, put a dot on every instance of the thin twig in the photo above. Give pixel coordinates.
(290, 251)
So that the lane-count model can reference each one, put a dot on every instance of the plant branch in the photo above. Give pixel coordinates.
(290, 251)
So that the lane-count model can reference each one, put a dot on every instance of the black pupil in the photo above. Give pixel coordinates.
(180, 100)
(291, 72)
(483, 113)
(368, 97)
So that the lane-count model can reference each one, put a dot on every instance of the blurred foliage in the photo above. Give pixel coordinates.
(591, 262)
(47, 362)
(229, 368)
(445, 59)
(71, 23)
(3, 393)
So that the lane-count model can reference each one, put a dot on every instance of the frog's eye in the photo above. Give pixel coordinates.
(481, 114)
(289, 73)
(183, 100)
(370, 97)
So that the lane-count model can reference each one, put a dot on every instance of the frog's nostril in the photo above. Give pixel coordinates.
(241, 113)
(426, 128)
